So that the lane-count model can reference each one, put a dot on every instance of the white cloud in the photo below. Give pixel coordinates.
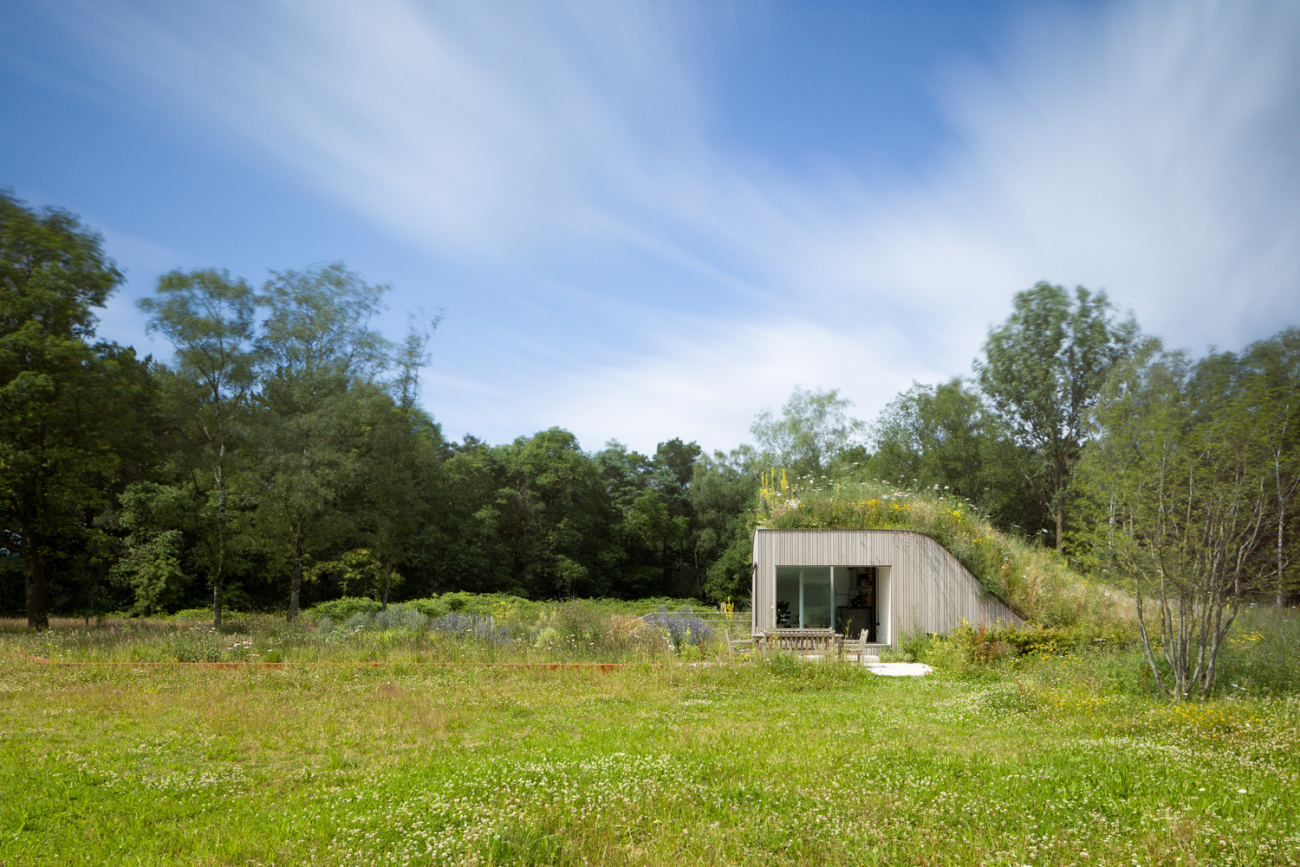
(472, 125)
(708, 381)
(1149, 149)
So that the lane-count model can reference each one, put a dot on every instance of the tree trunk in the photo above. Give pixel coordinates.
(388, 582)
(295, 586)
(1279, 597)
(220, 578)
(34, 569)
(1146, 645)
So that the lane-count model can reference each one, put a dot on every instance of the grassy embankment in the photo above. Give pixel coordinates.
(1069, 615)
(1036, 582)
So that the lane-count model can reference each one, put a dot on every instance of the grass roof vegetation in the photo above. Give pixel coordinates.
(1037, 583)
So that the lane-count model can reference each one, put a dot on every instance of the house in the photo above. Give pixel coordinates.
(882, 582)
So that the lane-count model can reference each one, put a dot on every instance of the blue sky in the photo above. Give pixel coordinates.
(654, 220)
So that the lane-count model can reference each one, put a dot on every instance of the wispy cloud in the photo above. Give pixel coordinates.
(1149, 148)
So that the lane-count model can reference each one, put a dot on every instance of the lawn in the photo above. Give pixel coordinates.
(769, 761)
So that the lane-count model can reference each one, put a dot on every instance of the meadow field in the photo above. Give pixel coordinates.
(379, 747)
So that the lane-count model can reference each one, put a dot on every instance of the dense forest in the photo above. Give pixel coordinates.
(282, 456)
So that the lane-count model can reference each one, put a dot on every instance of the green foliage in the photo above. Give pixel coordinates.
(729, 576)
(915, 646)
(317, 357)
(1180, 483)
(1270, 370)
(343, 608)
(944, 438)
(72, 414)
(724, 491)
(974, 644)
(356, 571)
(1036, 583)
(208, 317)
(1043, 371)
(1261, 655)
(151, 568)
(812, 431)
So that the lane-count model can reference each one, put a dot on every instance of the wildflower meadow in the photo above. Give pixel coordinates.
(585, 733)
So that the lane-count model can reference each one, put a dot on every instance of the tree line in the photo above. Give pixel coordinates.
(281, 455)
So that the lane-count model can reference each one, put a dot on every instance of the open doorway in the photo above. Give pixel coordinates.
(862, 602)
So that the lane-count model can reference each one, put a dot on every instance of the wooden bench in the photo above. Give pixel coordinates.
(803, 641)
(823, 642)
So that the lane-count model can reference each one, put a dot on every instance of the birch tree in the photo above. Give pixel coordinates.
(1273, 367)
(813, 429)
(1178, 476)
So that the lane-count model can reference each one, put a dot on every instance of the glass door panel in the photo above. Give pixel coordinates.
(804, 597)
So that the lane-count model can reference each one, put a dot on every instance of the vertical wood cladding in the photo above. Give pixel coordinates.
(929, 590)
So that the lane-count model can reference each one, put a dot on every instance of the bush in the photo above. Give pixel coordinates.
(684, 628)
(400, 617)
(585, 622)
(1261, 655)
(430, 608)
(343, 609)
(478, 626)
(915, 646)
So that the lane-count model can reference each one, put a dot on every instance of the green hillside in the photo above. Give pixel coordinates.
(1036, 582)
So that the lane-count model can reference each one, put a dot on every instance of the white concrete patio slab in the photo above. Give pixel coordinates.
(899, 669)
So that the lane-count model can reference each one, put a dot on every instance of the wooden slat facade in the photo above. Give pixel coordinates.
(925, 588)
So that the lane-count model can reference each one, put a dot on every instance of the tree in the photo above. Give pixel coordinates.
(556, 513)
(931, 436)
(674, 465)
(402, 450)
(464, 544)
(1273, 368)
(723, 491)
(1180, 482)
(944, 437)
(812, 431)
(208, 317)
(152, 552)
(70, 412)
(1043, 372)
(317, 358)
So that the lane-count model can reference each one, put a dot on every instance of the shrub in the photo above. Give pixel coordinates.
(1261, 654)
(477, 626)
(402, 617)
(343, 609)
(583, 621)
(430, 608)
(684, 628)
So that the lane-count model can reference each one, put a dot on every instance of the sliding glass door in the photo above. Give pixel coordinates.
(804, 597)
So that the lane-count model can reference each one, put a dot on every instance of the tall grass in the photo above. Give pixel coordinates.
(773, 761)
(460, 627)
(1262, 653)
